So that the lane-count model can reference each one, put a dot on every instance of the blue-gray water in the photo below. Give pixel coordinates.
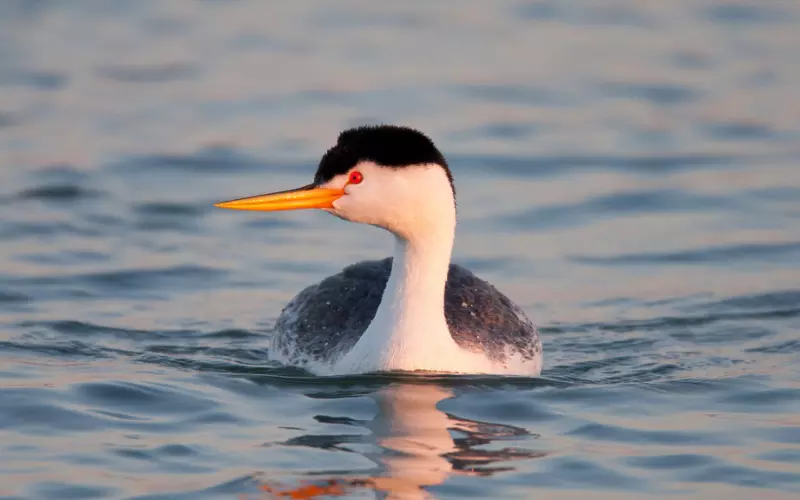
(627, 172)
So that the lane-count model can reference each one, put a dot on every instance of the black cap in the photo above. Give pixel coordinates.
(385, 145)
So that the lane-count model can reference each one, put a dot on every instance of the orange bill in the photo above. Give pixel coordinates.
(294, 199)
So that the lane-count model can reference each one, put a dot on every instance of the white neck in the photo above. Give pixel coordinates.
(409, 331)
(414, 294)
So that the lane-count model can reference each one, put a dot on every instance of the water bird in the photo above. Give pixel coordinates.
(415, 311)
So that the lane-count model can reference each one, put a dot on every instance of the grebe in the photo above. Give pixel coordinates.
(415, 311)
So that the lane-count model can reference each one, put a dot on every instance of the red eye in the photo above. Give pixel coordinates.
(356, 177)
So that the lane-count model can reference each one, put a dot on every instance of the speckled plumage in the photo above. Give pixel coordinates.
(325, 320)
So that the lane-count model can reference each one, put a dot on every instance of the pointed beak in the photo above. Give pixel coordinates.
(309, 196)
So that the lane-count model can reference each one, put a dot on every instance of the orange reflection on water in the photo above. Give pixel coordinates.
(415, 448)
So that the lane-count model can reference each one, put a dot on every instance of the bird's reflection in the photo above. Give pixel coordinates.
(416, 446)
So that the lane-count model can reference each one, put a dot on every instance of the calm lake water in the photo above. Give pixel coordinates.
(626, 171)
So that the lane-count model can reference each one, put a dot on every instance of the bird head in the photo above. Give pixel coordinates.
(387, 176)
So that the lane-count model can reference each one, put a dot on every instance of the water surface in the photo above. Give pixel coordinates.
(626, 171)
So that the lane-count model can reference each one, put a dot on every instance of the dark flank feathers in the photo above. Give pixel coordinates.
(386, 145)
(326, 320)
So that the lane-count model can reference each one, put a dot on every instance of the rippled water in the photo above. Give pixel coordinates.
(627, 172)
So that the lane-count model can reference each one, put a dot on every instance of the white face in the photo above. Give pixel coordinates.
(405, 201)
